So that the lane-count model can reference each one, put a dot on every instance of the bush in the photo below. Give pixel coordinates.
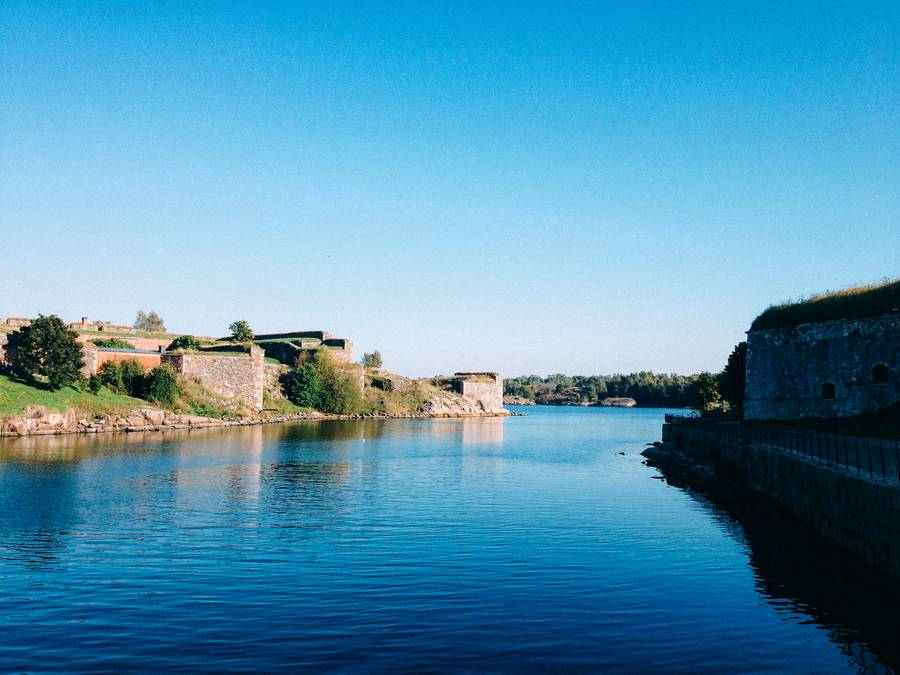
(302, 386)
(372, 360)
(110, 376)
(317, 383)
(113, 343)
(161, 386)
(46, 348)
(126, 377)
(132, 378)
(94, 384)
(188, 342)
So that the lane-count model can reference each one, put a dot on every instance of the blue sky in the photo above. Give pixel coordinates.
(526, 187)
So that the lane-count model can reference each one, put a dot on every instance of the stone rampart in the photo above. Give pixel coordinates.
(485, 388)
(827, 369)
(861, 515)
(232, 375)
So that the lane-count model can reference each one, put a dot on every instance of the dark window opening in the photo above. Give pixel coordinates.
(880, 374)
(828, 390)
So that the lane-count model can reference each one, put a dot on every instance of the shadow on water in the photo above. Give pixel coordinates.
(800, 572)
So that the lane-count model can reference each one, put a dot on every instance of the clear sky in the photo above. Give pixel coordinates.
(524, 187)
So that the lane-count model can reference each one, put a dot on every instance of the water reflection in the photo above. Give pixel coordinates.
(526, 543)
(803, 574)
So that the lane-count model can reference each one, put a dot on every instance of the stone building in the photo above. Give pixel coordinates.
(837, 368)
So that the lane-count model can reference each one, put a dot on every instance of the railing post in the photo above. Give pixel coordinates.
(897, 459)
(881, 452)
(856, 447)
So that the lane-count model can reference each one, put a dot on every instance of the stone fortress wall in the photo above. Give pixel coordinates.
(286, 347)
(484, 388)
(825, 369)
(233, 375)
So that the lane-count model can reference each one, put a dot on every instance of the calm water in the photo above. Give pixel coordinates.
(538, 542)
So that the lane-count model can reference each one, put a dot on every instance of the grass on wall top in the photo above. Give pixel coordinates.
(859, 302)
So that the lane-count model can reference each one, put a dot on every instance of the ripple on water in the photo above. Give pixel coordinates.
(445, 544)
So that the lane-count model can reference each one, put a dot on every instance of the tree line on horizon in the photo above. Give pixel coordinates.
(662, 390)
(701, 391)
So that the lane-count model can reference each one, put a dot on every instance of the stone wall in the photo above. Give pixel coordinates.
(485, 388)
(828, 369)
(861, 515)
(273, 374)
(234, 376)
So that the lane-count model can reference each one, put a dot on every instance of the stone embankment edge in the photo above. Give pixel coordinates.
(859, 514)
(210, 423)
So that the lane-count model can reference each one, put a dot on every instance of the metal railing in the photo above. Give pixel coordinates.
(874, 458)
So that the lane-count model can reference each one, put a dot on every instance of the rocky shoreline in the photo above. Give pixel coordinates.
(37, 420)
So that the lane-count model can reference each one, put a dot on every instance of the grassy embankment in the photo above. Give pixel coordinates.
(16, 394)
(193, 399)
(860, 302)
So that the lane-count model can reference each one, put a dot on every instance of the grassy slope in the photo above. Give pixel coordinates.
(851, 303)
(15, 395)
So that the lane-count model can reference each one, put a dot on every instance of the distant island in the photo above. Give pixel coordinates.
(644, 389)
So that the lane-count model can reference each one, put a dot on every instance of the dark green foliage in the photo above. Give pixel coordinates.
(188, 342)
(151, 323)
(703, 393)
(302, 386)
(46, 348)
(94, 384)
(160, 385)
(315, 382)
(126, 377)
(373, 359)
(113, 343)
(733, 379)
(851, 303)
(241, 331)
(647, 388)
(110, 376)
(132, 378)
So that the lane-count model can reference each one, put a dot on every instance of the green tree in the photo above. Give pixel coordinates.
(126, 377)
(151, 323)
(303, 386)
(316, 382)
(161, 385)
(372, 360)
(46, 348)
(241, 331)
(133, 373)
(703, 393)
(733, 380)
(110, 376)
